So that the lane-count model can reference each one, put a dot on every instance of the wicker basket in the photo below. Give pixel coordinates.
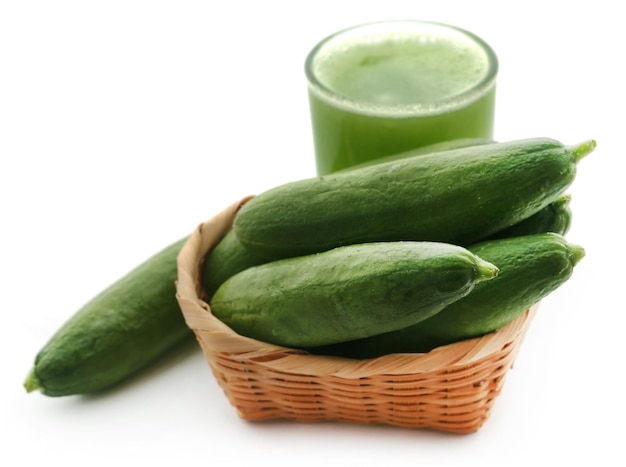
(452, 388)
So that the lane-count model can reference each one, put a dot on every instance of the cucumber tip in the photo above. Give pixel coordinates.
(486, 270)
(577, 253)
(581, 150)
(31, 384)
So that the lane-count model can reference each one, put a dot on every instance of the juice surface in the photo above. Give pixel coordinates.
(403, 72)
(395, 92)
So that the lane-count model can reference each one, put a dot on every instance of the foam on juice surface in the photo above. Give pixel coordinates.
(401, 70)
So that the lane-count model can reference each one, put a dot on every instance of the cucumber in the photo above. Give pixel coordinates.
(226, 259)
(347, 293)
(556, 217)
(531, 267)
(459, 196)
(123, 329)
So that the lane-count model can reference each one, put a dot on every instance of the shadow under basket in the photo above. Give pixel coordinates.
(451, 388)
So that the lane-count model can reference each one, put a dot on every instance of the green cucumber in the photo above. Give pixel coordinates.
(226, 259)
(459, 196)
(531, 267)
(120, 331)
(556, 217)
(347, 293)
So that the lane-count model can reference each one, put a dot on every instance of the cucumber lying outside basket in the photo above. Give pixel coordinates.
(451, 388)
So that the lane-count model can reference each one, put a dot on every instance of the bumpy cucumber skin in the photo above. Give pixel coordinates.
(459, 196)
(226, 259)
(348, 292)
(556, 218)
(124, 328)
(531, 267)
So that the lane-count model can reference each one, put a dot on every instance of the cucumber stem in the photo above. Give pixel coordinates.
(581, 150)
(563, 200)
(32, 383)
(485, 270)
(576, 253)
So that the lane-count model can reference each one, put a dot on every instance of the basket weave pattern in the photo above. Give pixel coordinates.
(452, 388)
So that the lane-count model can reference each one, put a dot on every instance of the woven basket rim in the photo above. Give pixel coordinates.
(219, 338)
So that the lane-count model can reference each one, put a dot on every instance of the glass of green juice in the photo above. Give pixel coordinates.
(384, 88)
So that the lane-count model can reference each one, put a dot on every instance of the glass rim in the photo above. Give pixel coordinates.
(478, 90)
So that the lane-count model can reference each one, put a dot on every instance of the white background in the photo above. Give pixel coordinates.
(123, 124)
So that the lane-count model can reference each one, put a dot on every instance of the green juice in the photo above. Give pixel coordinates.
(386, 88)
